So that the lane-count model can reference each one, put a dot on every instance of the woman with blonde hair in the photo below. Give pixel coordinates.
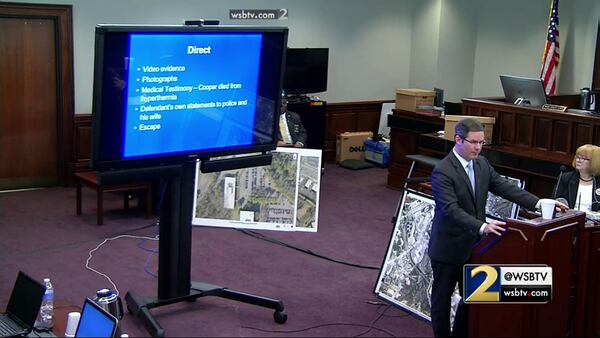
(581, 187)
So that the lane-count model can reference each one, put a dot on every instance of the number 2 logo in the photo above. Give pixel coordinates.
(481, 294)
(283, 14)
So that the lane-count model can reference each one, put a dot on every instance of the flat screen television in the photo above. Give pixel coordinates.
(306, 70)
(523, 91)
(164, 94)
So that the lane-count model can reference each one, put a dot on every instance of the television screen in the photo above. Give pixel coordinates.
(163, 94)
(523, 91)
(306, 70)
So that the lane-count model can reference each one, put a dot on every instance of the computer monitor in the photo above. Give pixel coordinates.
(306, 70)
(523, 91)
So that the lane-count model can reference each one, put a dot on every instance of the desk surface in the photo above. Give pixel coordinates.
(61, 313)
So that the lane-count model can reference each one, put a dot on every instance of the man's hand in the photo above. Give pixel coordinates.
(494, 227)
(561, 206)
(298, 144)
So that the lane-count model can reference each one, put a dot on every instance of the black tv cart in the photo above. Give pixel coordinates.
(312, 114)
(175, 244)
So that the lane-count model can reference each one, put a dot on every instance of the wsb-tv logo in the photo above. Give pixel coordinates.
(507, 283)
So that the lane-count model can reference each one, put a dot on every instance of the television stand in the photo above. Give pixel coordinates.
(313, 117)
(140, 307)
(174, 257)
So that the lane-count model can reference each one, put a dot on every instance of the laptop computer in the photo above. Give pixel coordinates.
(95, 321)
(23, 307)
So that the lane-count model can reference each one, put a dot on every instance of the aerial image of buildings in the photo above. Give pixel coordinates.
(308, 191)
(266, 193)
(281, 196)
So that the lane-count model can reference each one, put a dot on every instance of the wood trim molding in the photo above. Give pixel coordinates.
(356, 106)
(363, 116)
(82, 138)
(349, 116)
(596, 76)
(63, 17)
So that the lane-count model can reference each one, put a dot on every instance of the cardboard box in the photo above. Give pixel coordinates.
(350, 145)
(377, 152)
(412, 99)
(452, 120)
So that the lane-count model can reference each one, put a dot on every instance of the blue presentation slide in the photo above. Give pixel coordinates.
(94, 323)
(190, 92)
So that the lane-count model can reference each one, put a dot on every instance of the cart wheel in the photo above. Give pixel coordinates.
(280, 317)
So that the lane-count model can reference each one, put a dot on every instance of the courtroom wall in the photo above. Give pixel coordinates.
(379, 45)
(463, 45)
(424, 48)
(367, 39)
(510, 40)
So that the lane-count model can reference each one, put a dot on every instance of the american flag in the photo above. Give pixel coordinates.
(551, 56)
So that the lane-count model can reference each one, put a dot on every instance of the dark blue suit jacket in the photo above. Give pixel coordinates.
(459, 214)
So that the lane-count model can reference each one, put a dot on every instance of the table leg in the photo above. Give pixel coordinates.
(126, 195)
(148, 193)
(78, 199)
(100, 210)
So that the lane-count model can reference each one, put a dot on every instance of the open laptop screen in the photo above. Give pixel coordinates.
(25, 300)
(95, 322)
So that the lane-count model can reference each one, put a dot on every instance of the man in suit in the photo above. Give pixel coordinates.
(460, 184)
(291, 130)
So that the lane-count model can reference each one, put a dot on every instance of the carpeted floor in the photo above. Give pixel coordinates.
(42, 236)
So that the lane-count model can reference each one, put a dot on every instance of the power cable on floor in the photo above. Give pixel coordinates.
(306, 251)
(87, 262)
(319, 326)
(372, 325)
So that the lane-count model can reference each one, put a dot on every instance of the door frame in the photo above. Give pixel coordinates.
(63, 18)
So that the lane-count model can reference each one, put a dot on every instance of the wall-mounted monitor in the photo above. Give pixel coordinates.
(163, 94)
(306, 70)
(523, 91)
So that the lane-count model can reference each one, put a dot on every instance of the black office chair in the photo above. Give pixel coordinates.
(416, 159)
(452, 108)
(419, 159)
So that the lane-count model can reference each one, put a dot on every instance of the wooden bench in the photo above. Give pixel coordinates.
(90, 179)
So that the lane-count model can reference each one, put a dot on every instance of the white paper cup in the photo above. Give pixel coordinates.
(72, 322)
(548, 206)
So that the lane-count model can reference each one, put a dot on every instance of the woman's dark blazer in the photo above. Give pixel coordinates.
(568, 187)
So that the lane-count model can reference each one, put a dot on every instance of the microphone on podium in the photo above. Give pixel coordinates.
(562, 170)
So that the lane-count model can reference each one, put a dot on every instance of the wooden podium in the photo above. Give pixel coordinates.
(537, 241)
(587, 308)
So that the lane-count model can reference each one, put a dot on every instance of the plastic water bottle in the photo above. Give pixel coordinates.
(46, 316)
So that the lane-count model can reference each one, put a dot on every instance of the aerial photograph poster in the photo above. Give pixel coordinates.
(283, 196)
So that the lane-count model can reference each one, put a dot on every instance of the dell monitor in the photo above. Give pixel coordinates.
(165, 94)
(523, 91)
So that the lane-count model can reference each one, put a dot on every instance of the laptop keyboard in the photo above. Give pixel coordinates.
(8, 328)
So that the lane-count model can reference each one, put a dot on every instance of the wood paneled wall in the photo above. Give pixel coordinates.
(543, 135)
(82, 139)
(340, 117)
(349, 116)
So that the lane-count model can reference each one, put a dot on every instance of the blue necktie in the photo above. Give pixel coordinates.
(471, 174)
